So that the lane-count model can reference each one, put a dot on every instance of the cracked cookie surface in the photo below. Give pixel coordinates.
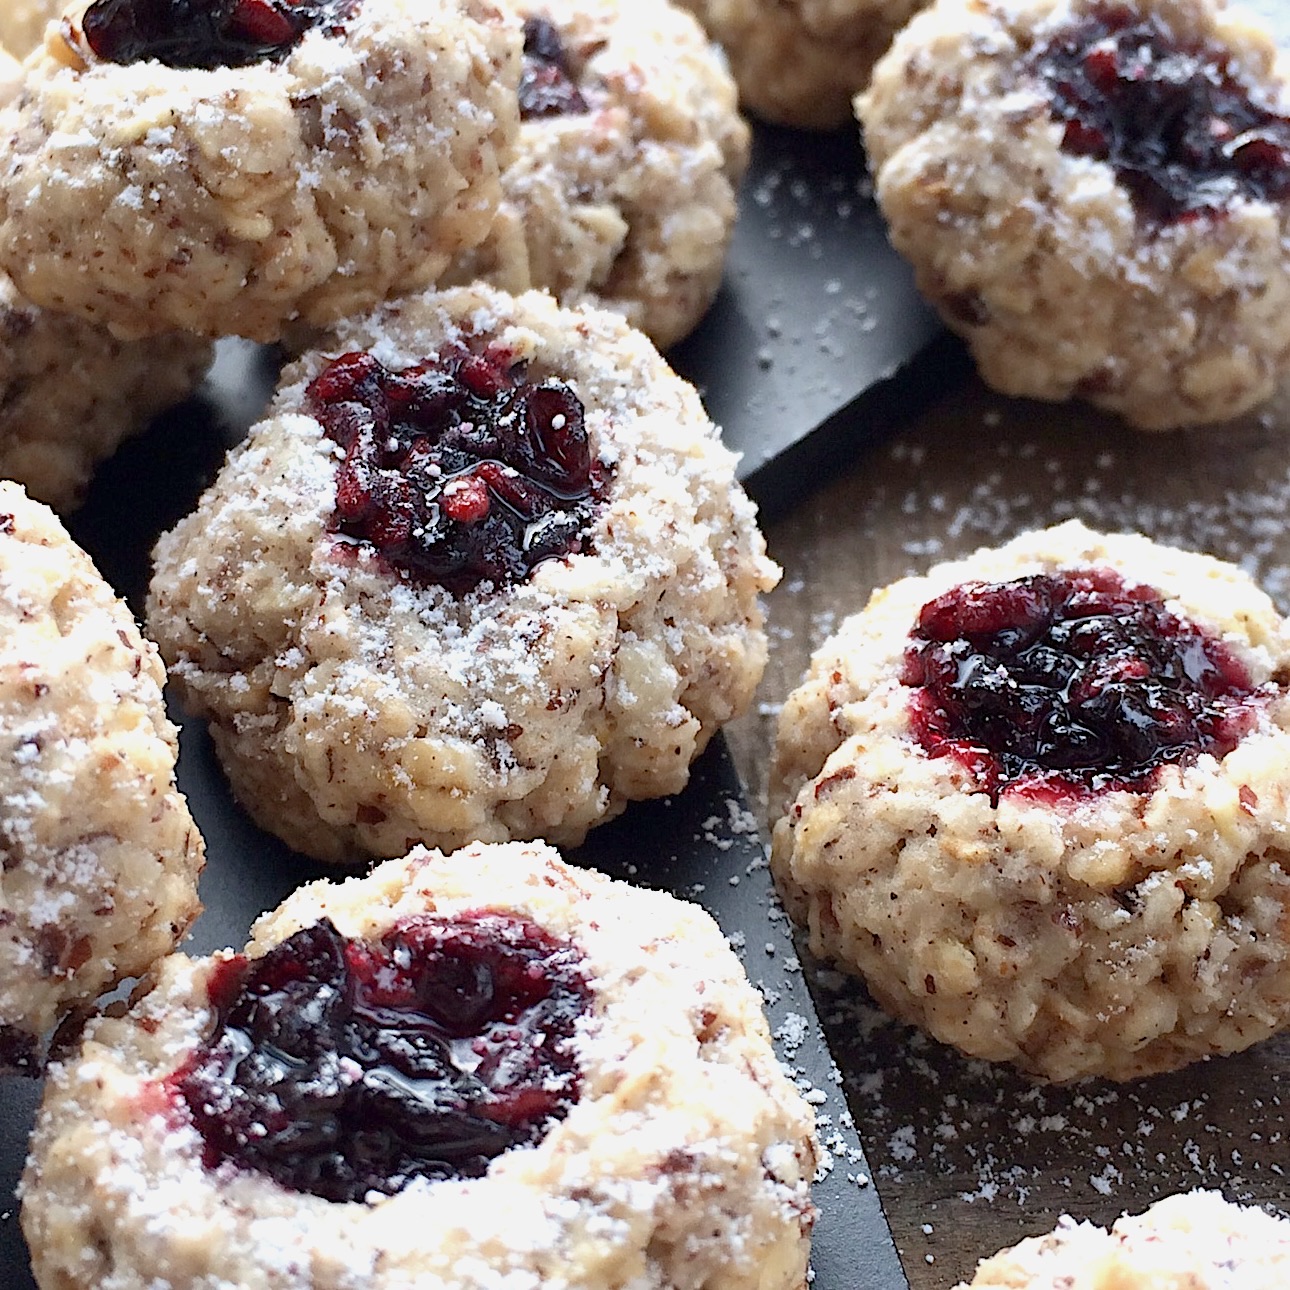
(1118, 911)
(357, 703)
(683, 1160)
(100, 855)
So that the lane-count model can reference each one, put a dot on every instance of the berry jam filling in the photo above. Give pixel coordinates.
(1173, 118)
(547, 87)
(458, 470)
(206, 33)
(1070, 682)
(341, 1067)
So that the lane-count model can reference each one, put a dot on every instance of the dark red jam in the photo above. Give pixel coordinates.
(1069, 683)
(459, 471)
(341, 1067)
(1172, 117)
(547, 85)
(206, 33)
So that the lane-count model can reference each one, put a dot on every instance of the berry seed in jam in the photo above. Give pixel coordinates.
(206, 33)
(340, 1067)
(458, 470)
(1069, 683)
(1173, 118)
(547, 86)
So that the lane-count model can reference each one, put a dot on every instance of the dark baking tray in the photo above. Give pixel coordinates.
(702, 845)
(816, 317)
(812, 347)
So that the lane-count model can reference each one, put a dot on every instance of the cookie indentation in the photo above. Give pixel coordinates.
(1174, 119)
(341, 1067)
(459, 470)
(206, 33)
(1070, 681)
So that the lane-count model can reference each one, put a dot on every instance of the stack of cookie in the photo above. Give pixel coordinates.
(482, 573)
(175, 175)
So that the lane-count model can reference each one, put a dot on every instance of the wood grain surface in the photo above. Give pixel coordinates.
(969, 1158)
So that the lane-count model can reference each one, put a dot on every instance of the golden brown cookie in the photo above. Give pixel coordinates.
(283, 161)
(99, 853)
(472, 1070)
(622, 190)
(1037, 799)
(800, 62)
(1096, 196)
(483, 572)
(70, 392)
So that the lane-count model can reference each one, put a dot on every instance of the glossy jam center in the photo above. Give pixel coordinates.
(206, 33)
(547, 87)
(458, 471)
(341, 1067)
(1174, 118)
(1073, 681)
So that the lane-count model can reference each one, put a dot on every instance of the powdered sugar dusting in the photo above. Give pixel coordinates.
(1243, 522)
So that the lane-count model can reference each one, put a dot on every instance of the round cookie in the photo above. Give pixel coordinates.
(668, 1147)
(1037, 799)
(261, 176)
(100, 856)
(70, 392)
(622, 190)
(799, 62)
(60, 418)
(1194, 1241)
(506, 617)
(1096, 197)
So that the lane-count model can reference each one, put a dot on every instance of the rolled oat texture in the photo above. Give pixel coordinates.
(1113, 932)
(60, 418)
(228, 201)
(357, 711)
(1038, 256)
(100, 855)
(685, 1160)
(627, 201)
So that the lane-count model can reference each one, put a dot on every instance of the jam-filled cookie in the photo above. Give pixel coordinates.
(98, 854)
(622, 191)
(799, 62)
(224, 168)
(1194, 1241)
(1037, 799)
(480, 1070)
(483, 572)
(70, 392)
(1096, 195)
